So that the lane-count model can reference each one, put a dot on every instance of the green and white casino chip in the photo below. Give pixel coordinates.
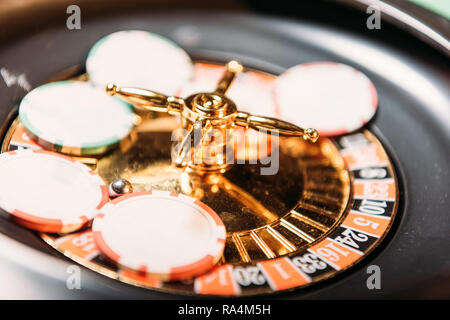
(75, 118)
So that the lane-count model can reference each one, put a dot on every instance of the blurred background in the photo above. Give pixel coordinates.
(415, 16)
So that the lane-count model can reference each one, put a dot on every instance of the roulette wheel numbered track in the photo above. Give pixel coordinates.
(411, 123)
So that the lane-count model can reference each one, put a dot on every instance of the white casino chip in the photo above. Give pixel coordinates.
(139, 59)
(165, 235)
(76, 118)
(333, 98)
(48, 192)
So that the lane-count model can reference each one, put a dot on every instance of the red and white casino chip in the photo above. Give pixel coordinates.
(331, 97)
(49, 192)
(161, 234)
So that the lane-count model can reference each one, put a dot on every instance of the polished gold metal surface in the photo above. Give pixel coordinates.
(208, 114)
(265, 216)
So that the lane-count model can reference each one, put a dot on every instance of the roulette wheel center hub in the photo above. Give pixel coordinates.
(204, 115)
(253, 206)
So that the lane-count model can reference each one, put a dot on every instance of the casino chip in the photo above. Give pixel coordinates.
(48, 192)
(333, 98)
(74, 117)
(139, 59)
(164, 235)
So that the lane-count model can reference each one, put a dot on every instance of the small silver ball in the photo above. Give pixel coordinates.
(120, 187)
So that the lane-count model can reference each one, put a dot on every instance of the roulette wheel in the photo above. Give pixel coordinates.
(368, 188)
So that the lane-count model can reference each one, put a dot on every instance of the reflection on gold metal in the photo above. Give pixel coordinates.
(296, 230)
(281, 239)
(246, 201)
(207, 113)
(241, 248)
(220, 182)
(233, 68)
(264, 247)
(309, 221)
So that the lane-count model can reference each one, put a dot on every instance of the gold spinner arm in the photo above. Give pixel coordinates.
(213, 108)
